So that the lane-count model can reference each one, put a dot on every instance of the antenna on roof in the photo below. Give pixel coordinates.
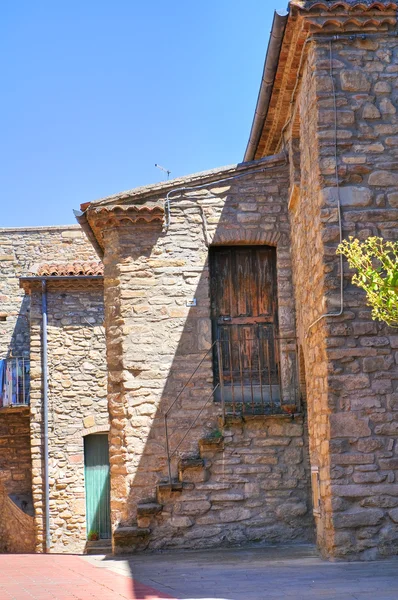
(163, 169)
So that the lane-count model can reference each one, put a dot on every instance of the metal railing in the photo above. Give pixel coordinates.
(258, 375)
(253, 387)
(14, 382)
(170, 454)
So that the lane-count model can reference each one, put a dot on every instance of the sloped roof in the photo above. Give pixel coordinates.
(74, 269)
(283, 62)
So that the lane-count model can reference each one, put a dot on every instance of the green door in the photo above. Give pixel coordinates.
(96, 474)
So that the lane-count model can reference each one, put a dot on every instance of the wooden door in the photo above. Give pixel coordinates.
(244, 316)
(97, 484)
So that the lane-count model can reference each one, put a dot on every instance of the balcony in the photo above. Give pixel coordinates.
(14, 383)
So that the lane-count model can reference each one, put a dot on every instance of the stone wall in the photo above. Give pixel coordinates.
(77, 404)
(250, 487)
(155, 341)
(22, 250)
(15, 460)
(16, 526)
(307, 222)
(350, 361)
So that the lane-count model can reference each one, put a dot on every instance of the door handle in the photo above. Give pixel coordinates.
(227, 318)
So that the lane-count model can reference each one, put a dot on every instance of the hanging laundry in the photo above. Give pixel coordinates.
(3, 363)
(14, 381)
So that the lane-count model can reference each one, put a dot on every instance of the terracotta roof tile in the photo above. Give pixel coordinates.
(347, 5)
(70, 269)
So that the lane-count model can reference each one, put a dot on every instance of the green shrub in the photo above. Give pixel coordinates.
(376, 264)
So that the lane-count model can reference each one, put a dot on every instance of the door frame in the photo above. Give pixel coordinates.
(103, 434)
(269, 320)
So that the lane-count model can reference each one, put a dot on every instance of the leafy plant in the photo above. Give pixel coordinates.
(376, 264)
(93, 536)
(216, 434)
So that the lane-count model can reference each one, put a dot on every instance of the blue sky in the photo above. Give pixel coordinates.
(95, 92)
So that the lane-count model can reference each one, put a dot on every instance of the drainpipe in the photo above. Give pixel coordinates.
(45, 412)
(81, 218)
(267, 82)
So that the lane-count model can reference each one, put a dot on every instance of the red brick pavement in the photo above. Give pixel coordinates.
(56, 577)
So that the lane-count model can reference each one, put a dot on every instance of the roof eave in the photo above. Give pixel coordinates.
(267, 82)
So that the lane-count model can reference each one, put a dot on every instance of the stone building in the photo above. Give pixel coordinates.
(77, 405)
(250, 396)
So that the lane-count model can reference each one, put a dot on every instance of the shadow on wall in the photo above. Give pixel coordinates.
(17, 531)
(159, 361)
(20, 339)
(253, 486)
(16, 520)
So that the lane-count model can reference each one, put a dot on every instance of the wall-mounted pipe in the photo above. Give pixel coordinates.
(85, 225)
(267, 82)
(45, 411)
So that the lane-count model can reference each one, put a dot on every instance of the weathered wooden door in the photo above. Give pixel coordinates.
(96, 474)
(244, 316)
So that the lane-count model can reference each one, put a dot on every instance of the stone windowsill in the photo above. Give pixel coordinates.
(261, 417)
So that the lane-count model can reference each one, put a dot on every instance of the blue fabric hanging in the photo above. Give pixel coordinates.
(2, 379)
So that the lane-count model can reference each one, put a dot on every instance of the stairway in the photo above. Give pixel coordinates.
(191, 471)
(248, 483)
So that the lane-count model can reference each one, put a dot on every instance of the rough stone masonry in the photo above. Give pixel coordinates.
(255, 486)
(324, 144)
(332, 115)
(77, 386)
(350, 361)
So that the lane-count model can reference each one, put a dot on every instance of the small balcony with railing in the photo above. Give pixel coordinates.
(14, 383)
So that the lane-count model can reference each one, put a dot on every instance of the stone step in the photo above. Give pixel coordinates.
(99, 550)
(132, 531)
(130, 539)
(191, 463)
(99, 547)
(164, 490)
(146, 509)
(193, 470)
(210, 445)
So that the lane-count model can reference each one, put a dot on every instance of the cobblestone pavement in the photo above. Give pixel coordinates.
(261, 574)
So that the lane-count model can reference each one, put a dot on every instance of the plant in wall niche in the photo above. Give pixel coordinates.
(214, 436)
(376, 264)
(93, 536)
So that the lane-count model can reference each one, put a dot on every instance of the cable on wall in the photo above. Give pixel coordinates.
(340, 312)
(168, 199)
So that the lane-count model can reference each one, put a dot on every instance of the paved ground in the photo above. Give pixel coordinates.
(56, 577)
(267, 574)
